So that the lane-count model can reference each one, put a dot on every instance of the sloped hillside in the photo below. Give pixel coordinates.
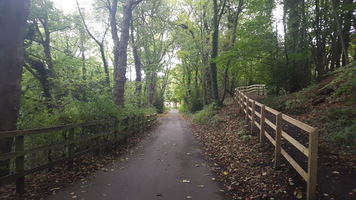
(330, 106)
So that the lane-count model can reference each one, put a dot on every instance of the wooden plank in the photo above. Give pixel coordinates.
(273, 126)
(295, 143)
(258, 114)
(20, 165)
(259, 104)
(262, 128)
(247, 109)
(51, 146)
(312, 165)
(299, 124)
(294, 164)
(7, 134)
(257, 125)
(277, 150)
(253, 116)
(70, 147)
(19, 174)
(269, 137)
(271, 110)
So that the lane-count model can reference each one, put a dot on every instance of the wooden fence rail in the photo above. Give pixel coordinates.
(260, 89)
(253, 109)
(72, 141)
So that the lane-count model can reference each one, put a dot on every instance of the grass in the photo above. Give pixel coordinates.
(207, 116)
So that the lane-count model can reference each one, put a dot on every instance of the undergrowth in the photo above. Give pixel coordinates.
(337, 117)
(207, 116)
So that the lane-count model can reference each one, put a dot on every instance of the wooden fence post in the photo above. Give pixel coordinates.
(240, 101)
(247, 108)
(312, 165)
(20, 165)
(70, 148)
(277, 152)
(253, 116)
(262, 123)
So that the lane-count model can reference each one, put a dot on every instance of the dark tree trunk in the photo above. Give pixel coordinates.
(121, 64)
(215, 47)
(214, 54)
(41, 73)
(138, 64)
(13, 16)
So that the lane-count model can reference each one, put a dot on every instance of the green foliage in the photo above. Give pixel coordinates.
(159, 104)
(183, 109)
(345, 137)
(297, 104)
(341, 125)
(344, 84)
(244, 135)
(207, 116)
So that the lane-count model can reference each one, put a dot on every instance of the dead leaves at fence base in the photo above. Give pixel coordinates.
(244, 168)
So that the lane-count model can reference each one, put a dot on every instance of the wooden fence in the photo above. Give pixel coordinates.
(259, 89)
(71, 141)
(270, 127)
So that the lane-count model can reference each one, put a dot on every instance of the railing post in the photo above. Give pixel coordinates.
(262, 123)
(20, 164)
(253, 115)
(70, 148)
(247, 108)
(312, 165)
(277, 153)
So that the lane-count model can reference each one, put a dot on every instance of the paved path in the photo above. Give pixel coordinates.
(168, 165)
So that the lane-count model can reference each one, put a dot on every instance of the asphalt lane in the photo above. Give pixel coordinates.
(168, 165)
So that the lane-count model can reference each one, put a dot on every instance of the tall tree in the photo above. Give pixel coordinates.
(218, 12)
(11, 60)
(100, 43)
(120, 59)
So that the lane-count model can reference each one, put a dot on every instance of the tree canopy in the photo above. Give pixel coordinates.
(111, 56)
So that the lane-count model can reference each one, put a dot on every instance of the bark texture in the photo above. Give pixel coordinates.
(13, 16)
(120, 54)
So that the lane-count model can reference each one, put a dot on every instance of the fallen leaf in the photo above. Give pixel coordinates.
(298, 194)
(225, 173)
(335, 173)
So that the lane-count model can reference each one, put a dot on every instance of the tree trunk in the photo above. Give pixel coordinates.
(11, 60)
(214, 54)
(100, 44)
(120, 66)
(138, 63)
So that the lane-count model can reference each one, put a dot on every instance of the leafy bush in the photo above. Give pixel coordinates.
(341, 124)
(183, 109)
(345, 137)
(159, 104)
(345, 83)
(243, 135)
(207, 116)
